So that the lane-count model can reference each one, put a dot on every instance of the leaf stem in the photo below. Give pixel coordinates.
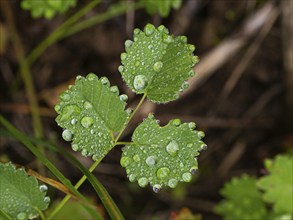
(77, 185)
(123, 143)
(131, 116)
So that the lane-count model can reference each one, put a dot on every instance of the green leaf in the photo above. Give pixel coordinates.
(161, 7)
(157, 63)
(277, 186)
(47, 8)
(242, 200)
(90, 112)
(21, 197)
(162, 156)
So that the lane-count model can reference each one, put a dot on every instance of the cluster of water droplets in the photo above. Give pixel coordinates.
(86, 117)
(160, 159)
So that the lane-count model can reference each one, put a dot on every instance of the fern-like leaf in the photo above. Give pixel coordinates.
(278, 185)
(90, 112)
(157, 63)
(47, 8)
(162, 156)
(242, 200)
(21, 197)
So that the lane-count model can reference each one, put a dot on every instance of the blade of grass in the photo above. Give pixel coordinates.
(24, 140)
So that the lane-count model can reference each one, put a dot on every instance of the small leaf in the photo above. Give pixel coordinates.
(20, 195)
(90, 112)
(162, 156)
(278, 184)
(162, 7)
(47, 8)
(157, 63)
(242, 200)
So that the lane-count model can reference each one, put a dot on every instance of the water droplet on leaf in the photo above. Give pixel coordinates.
(172, 183)
(200, 134)
(43, 188)
(91, 76)
(149, 29)
(105, 81)
(87, 105)
(114, 89)
(172, 148)
(67, 135)
(158, 66)
(142, 182)
(151, 161)
(123, 56)
(73, 121)
(132, 177)
(186, 177)
(140, 82)
(65, 96)
(47, 199)
(21, 216)
(176, 122)
(123, 97)
(157, 188)
(125, 161)
(163, 172)
(86, 122)
(75, 147)
(192, 125)
(136, 158)
(128, 43)
(193, 170)
(121, 68)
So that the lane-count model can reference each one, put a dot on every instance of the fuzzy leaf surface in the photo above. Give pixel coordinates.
(20, 195)
(90, 112)
(157, 63)
(242, 200)
(278, 185)
(162, 156)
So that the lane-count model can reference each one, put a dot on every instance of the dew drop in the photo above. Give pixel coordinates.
(167, 39)
(136, 158)
(87, 105)
(172, 183)
(157, 188)
(91, 76)
(92, 131)
(21, 216)
(43, 188)
(78, 77)
(189, 145)
(123, 97)
(73, 121)
(193, 170)
(47, 199)
(149, 29)
(191, 47)
(120, 68)
(57, 108)
(142, 182)
(132, 178)
(75, 147)
(125, 161)
(128, 43)
(129, 111)
(123, 56)
(105, 81)
(96, 157)
(151, 161)
(140, 82)
(163, 172)
(191, 73)
(186, 177)
(86, 122)
(136, 31)
(195, 60)
(203, 147)
(67, 135)
(137, 63)
(192, 125)
(172, 148)
(162, 28)
(183, 39)
(84, 153)
(65, 96)
(184, 85)
(158, 66)
(68, 111)
(200, 134)
(150, 47)
(114, 89)
(176, 122)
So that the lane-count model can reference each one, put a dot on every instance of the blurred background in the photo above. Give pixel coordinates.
(241, 96)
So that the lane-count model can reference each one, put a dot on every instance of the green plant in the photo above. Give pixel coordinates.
(161, 7)
(248, 198)
(94, 116)
(47, 8)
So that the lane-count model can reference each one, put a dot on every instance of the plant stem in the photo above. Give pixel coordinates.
(131, 116)
(57, 34)
(77, 185)
(123, 143)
